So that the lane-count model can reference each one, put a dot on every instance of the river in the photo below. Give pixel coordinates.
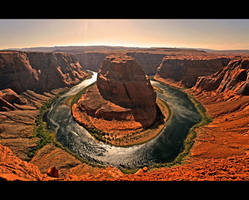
(161, 149)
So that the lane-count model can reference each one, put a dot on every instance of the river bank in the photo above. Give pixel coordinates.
(128, 139)
(81, 142)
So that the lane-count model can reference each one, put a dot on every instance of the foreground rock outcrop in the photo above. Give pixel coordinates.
(12, 168)
(38, 71)
(123, 100)
(184, 70)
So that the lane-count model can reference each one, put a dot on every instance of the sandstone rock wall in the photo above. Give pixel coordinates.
(123, 98)
(186, 69)
(148, 61)
(123, 81)
(231, 80)
(39, 72)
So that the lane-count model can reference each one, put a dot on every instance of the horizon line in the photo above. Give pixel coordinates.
(120, 45)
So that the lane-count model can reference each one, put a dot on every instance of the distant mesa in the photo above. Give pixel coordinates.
(123, 100)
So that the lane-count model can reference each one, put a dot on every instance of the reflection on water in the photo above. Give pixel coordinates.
(163, 148)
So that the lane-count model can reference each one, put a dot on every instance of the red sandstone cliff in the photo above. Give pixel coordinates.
(230, 80)
(186, 69)
(39, 72)
(148, 61)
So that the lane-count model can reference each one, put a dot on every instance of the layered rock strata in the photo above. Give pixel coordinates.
(38, 71)
(220, 151)
(123, 100)
(9, 99)
(185, 70)
(232, 80)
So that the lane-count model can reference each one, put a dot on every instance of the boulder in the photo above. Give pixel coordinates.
(53, 172)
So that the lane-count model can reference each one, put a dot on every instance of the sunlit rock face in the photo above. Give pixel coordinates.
(186, 69)
(231, 80)
(122, 100)
(122, 81)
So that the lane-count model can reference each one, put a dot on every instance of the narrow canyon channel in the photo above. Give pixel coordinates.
(161, 149)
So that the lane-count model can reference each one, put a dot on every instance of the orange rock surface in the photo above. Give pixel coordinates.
(13, 168)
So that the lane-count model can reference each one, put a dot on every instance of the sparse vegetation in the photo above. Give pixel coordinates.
(189, 141)
(40, 130)
(46, 136)
(134, 138)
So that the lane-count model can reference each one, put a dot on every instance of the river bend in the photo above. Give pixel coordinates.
(161, 149)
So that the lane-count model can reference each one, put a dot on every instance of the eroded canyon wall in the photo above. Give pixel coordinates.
(186, 69)
(122, 97)
(38, 71)
(230, 80)
(91, 60)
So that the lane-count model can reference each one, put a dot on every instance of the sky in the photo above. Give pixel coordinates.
(220, 34)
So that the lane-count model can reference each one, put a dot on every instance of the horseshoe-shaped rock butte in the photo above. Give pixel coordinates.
(122, 102)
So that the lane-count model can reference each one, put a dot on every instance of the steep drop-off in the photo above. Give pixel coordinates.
(39, 72)
(148, 61)
(91, 60)
(27, 80)
(231, 80)
(185, 70)
(123, 100)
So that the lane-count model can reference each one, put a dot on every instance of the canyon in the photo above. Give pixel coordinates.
(38, 71)
(219, 82)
